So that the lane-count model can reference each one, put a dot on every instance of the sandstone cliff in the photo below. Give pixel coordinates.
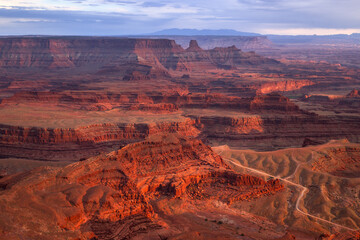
(210, 42)
(134, 58)
(152, 101)
(111, 196)
(353, 94)
(251, 122)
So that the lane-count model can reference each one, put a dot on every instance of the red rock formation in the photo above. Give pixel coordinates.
(264, 119)
(193, 46)
(230, 57)
(139, 58)
(351, 101)
(210, 42)
(157, 107)
(229, 126)
(339, 161)
(78, 100)
(269, 129)
(349, 235)
(92, 133)
(82, 142)
(310, 142)
(71, 52)
(108, 197)
(156, 101)
(283, 86)
(287, 236)
(273, 102)
(321, 98)
(353, 94)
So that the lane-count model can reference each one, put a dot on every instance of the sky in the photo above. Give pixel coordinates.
(124, 17)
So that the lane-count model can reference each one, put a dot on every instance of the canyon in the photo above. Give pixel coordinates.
(146, 138)
(102, 194)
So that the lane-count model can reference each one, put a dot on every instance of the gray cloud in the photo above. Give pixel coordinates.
(153, 15)
(153, 4)
(24, 22)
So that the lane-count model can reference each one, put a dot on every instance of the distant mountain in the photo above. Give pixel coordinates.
(353, 39)
(203, 32)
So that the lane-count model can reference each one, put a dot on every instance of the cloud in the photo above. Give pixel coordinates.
(144, 16)
(23, 22)
(153, 4)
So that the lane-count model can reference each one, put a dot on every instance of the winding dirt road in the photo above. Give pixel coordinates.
(302, 193)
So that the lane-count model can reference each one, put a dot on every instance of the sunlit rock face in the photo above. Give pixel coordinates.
(118, 127)
(99, 197)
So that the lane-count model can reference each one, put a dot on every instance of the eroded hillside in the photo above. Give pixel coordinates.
(107, 138)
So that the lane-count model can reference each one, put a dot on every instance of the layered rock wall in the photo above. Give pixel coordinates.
(111, 196)
(93, 133)
(160, 54)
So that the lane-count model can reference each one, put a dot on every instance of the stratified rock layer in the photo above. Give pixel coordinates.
(135, 58)
(107, 197)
